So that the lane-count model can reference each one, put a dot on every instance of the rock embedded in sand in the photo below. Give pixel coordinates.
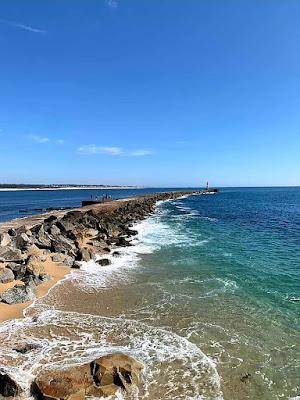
(8, 386)
(6, 275)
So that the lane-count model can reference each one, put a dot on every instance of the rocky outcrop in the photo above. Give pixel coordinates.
(102, 377)
(77, 236)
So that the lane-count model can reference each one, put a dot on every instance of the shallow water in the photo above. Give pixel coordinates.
(206, 299)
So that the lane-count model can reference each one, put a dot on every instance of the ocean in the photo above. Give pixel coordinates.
(207, 298)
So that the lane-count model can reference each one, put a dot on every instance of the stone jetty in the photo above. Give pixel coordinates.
(68, 238)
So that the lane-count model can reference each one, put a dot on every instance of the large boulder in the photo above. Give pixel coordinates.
(8, 386)
(18, 294)
(6, 275)
(42, 238)
(103, 377)
(64, 245)
(34, 265)
(63, 383)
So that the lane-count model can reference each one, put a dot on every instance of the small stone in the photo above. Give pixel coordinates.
(6, 275)
(56, 258)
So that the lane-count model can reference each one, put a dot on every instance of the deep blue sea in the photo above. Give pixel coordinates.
(22, 203)
(208, 298)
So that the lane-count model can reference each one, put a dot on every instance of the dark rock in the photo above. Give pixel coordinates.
(18, 294)
(103, 262)
(26, 348)
(8, 387)
(6, 275)
(116, 254)
(76, 265)
(11, 232)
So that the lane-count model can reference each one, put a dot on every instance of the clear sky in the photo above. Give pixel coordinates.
(150, 92)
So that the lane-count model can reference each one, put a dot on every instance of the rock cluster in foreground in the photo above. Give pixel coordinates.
(104, 376)
(77, 236)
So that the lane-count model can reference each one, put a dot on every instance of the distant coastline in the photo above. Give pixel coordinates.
(14, 188)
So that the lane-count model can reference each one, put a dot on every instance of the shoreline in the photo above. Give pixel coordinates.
(58, 271)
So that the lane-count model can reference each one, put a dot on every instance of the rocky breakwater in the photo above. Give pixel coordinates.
(68, 239)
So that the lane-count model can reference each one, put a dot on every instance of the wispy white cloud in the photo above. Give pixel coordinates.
(113, 151)
(38, 139)
(140, 153)
(25, 27)
(60, 141)
(112, 3)
(93, 149)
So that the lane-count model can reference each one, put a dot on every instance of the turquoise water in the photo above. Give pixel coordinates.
(207, 298)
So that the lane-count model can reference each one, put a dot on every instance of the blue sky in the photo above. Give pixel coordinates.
(150, 92)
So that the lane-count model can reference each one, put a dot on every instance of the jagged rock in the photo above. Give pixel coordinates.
(60, 384)
(103, 262)
(18, 294)
(10, 254)
(54, 230)
(64, 245)
(8, 386)
(5, 239)
(34, 265)
(6, 275)
(76, 265)
(42, 239)
(22, 241)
